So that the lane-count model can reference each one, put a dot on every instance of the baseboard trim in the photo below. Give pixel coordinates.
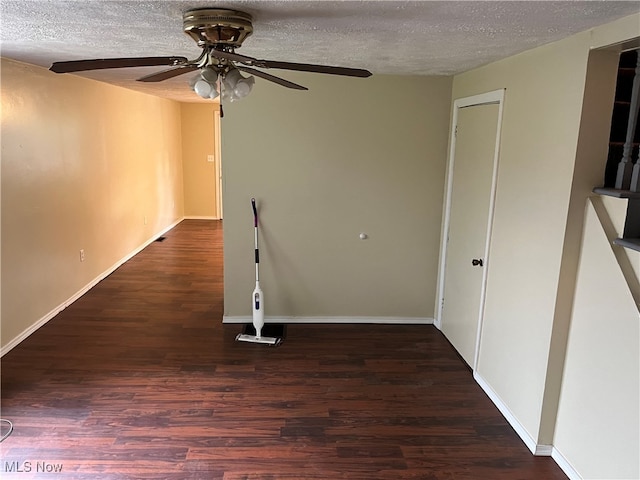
(564, 464)
(43, 320)
(529, 441)
(201, 217)
(333, 320)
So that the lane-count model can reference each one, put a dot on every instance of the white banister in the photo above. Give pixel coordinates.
(625, 167)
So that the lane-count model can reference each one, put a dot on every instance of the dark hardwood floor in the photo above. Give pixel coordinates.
(140, 379)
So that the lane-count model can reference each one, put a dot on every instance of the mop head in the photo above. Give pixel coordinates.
(272, 335)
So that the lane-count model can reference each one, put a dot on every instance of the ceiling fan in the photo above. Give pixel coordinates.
(218, 32)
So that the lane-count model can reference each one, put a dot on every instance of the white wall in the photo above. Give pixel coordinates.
(347, 156)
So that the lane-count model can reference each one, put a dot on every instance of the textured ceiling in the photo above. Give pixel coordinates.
(386, 37)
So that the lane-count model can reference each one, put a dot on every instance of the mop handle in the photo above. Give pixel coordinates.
(255, 212)
(255, 236)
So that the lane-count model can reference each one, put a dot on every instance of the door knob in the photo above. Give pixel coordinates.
(477, 262)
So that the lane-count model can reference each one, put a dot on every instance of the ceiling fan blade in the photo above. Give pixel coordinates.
(302, 67)
(99, 64)
(166, 74)
(272, 78)
(306, 67)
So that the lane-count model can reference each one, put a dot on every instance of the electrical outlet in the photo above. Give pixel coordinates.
(211, 158)
(82, 255)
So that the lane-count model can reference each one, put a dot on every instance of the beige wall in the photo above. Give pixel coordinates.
(84, 165)
(198, 142)
(590, 408)
(598, 427)
(541, 118)
(348, 156)
(592, 148)
(553, 151)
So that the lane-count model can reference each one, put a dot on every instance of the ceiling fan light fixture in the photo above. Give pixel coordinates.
(240, 86)
(235, 86)
(205, 89)
(209, 74)
(205, 84)
(244, 87)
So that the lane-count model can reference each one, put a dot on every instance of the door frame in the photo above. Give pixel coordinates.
(218, 165)
(493, 97)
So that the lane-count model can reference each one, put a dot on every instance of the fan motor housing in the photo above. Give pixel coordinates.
(217, 26)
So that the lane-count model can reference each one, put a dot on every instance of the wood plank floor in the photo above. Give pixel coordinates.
(139, 379)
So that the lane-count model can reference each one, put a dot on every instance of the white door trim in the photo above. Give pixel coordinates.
(494, 97)
(218, 165)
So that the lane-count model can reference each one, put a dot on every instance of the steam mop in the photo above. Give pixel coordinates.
(257, 299)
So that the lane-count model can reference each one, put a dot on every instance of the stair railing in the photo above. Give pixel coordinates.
(628, 174)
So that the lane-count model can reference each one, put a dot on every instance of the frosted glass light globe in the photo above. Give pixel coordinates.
(202, 88)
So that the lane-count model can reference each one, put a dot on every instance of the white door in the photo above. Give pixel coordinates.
(470, 203)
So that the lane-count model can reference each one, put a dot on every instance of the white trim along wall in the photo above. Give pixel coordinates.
(44, 319)
(334, 320)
